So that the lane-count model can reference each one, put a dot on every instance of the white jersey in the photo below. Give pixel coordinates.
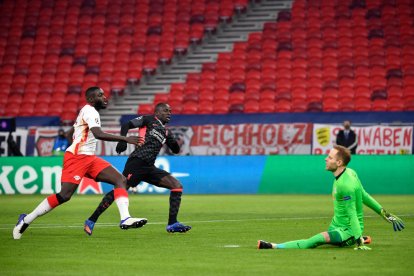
(84, 142)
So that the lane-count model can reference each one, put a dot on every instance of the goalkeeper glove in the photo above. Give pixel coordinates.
(360, 244)
(121, 147)
(397, 223)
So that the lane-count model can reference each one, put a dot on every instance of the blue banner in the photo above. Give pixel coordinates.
(205, 174)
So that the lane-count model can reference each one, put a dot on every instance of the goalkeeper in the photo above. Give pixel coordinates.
(349, 196)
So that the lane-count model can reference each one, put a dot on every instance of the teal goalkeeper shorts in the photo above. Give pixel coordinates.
(341, 236)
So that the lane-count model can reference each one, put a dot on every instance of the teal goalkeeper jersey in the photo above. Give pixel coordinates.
(349, 197)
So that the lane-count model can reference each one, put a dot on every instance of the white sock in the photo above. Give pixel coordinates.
(40, 210)
(274, 245)
(123, 204)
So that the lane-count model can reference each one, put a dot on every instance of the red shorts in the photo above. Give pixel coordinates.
(75, 167)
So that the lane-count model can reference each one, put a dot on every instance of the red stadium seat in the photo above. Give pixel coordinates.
(205, 107)
(220, 107)
(282, 106)
(409, 105)
(251, 106)
(299, 106)
(346, 106)
(395, 105)
(362, 105)
(144, 109)
(363, 93)
(190, 108)
(331, 105)
(379, 105)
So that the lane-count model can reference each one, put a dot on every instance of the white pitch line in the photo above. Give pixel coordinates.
(41, 226)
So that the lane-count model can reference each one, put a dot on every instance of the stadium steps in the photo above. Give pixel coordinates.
(227, 34)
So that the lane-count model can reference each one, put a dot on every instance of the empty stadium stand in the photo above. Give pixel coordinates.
(63, 47)
(206, 57)
(319, 56)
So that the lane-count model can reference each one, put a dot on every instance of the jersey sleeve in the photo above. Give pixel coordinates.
(172, 143)
(92, 118)
(348, 196)
(368, 200)
(371, 202)
(139, 121)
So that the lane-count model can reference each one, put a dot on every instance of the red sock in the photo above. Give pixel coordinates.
(53, 201)
(120, 192)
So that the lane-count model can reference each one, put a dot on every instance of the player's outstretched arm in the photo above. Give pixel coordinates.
(172, 143)
(122, 146)
(99, 134)
(126, 127)
(370, 202)
(397, 223)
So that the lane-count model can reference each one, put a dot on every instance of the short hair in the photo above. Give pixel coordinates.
(343, 154)
(89, 92)
(159, 106)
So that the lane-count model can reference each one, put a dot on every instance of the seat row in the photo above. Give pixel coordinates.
(299, 59)
(61, 48)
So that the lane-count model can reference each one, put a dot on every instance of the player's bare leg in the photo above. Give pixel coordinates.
(44, 207)
(176, 189)
(112, 176)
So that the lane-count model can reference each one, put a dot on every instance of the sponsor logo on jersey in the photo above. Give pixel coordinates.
(159, 136)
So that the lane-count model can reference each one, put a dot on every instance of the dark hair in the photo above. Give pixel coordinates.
(343, 154)
(89, 92)
(159, 106)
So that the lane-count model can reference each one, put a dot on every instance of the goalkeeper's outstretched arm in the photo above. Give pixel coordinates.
(369, 201)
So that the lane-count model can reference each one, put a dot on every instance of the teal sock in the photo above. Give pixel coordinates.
(312, 242)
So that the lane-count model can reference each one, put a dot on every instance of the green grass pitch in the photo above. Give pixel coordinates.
(222, 242)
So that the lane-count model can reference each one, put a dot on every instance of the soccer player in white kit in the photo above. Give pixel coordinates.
(80, 160)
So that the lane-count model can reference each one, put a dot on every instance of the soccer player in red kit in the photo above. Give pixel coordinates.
(80, 160)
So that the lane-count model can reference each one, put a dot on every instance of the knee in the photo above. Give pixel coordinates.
(122, 182)
(176, 185)
(170, 183)
(63, 197)
(180, 185)
(326, 237)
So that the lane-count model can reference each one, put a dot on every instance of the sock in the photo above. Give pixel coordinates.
(121, 199)
(175, 201)
(312, 242)
(105, 203)
(43, 208)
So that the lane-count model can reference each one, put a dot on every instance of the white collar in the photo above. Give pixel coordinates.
(159, 121)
